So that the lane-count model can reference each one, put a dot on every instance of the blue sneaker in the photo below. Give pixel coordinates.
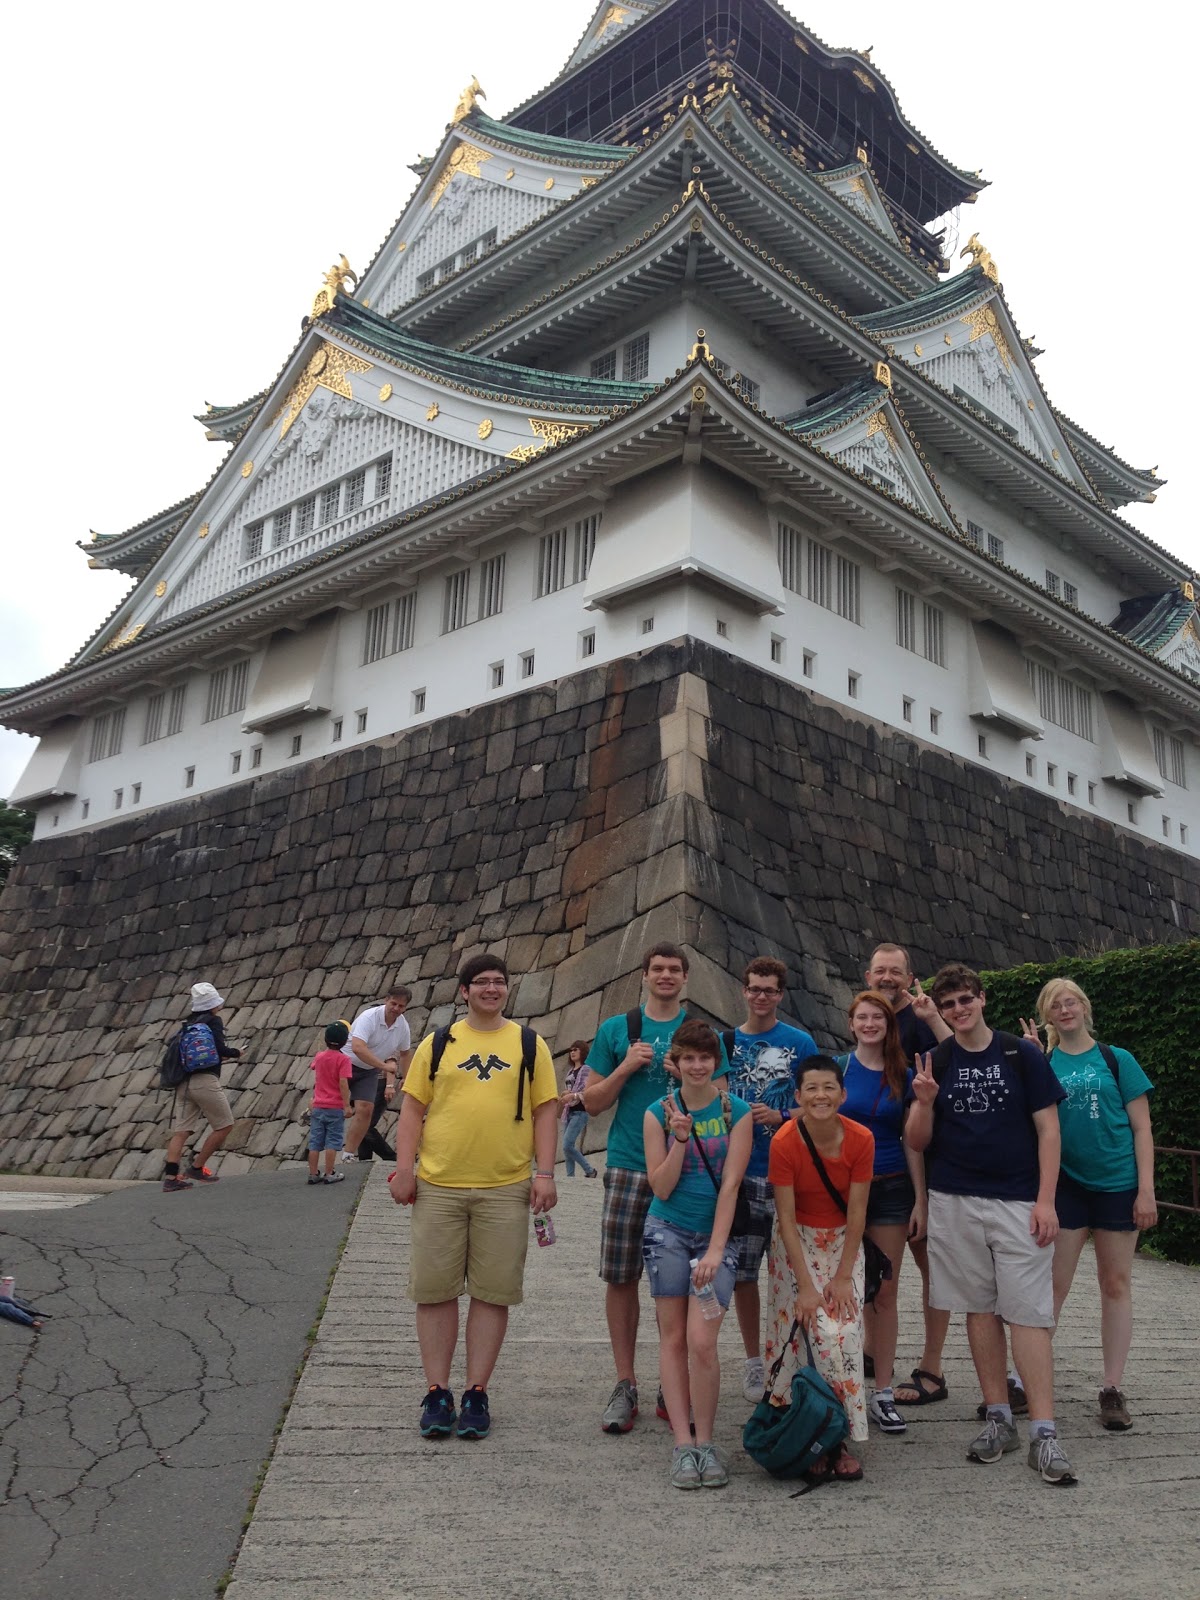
(437, 1419)
(474, 1421)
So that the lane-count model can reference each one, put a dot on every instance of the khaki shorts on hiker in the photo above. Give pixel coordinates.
(200, 1098)
(472, 1238)
(982, 1257)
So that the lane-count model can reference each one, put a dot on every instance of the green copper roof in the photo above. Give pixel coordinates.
(833, 411)
(479, 372)
(946, 300)
(546, 144)
(1153, 620)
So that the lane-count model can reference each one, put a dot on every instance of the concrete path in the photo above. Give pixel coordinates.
(134, 1426)
(549, 1507)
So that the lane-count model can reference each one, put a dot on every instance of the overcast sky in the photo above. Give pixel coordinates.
(180, 176)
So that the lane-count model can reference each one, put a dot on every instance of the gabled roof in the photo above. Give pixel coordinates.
(961, 293)
(544, 144)
(225, 424)
(135, 549)
(1152, 621)
(608, 21)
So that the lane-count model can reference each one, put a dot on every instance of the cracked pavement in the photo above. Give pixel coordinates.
(133, 1426)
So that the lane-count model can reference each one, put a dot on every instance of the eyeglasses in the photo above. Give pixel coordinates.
(958, 1002)
(767, 994)
(488, 983)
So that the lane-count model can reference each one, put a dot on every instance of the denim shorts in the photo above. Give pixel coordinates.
(1110, 1210)
(326, 1128)
(668, 1252)
(891, 1199)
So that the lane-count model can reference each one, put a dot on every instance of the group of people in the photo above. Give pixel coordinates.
(989, 1157)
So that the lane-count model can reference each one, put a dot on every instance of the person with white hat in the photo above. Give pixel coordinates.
(200, 1094)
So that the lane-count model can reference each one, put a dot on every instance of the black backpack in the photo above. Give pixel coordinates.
(171, 1070)
(444, 1036)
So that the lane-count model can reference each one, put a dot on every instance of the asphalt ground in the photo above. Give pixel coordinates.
(134, 1426)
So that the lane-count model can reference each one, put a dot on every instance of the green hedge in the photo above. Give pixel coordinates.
(1148, 1002)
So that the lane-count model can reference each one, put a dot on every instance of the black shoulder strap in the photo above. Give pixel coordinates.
(729, 1040)
(1110, 1061)
(820, 1166)
(1009, 1042)
(940, 1058)
(633, 1024)
(441, 1038)
(529, 1041)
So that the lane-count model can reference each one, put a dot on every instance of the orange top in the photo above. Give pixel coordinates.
(792, 1165)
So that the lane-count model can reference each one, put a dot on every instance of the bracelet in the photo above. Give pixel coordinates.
(543, 1175)
(682, 1138)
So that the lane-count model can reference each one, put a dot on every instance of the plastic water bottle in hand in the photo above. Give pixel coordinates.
(710, 1306)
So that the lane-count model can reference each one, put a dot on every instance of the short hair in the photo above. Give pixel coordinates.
(697, 1036)
(887, 948)
(669, 952)
(581, 1045)
(477, 965)
(819, 1063)
(954, 976)
(399, 991)
(766, 967)
(1050, 993)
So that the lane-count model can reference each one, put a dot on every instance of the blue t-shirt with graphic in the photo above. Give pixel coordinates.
(870, 1102)
(692, 1203)
(762, 1061)
(626, 1143)
(984, 1140)
(1097, 1141)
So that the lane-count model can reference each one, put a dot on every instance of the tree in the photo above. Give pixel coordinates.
(16, 830)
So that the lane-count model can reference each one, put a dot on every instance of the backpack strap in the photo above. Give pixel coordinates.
(729, 1040)
(726, 1109)
(633, 1024)
(940, 1058)
(529, 1041)
(441, 1038)
(1111, 1062)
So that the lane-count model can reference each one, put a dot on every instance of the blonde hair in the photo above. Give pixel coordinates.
(1050, 993)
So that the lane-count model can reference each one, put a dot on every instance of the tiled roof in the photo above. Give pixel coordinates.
(833, 411)
(546, 144)
(1153, 620)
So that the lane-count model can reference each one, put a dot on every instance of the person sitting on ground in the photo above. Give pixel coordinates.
(877, 1083)
(331, 1069)
(200, 1095)
(763, 1056)
(574, 1112)
(1106, 1178)
(816, 1270)
(697, 1141)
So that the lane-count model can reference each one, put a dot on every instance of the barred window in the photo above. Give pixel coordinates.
(848, 583)
(636, 359)
(819, 588)
(906, 620)
(108, 731)
(356, 488)
(390, 628)
(977, 534)
(330, 497)
(995, 547)
(281, 528)
(383, 477)
(1062, 702)
(217, 702)
(935, 634)
(239, 675)
(427, 280)
(1053, 582)
(152, 729)
(749, 390)
(306, 516)
(252, 541)
(175, 712)
(790, 549)
(605, 366)
(565, 556)
(1070, 593)
(491, 586)
(1169, 756)
(455, 612)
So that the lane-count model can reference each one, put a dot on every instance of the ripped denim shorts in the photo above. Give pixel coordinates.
(667, 1252)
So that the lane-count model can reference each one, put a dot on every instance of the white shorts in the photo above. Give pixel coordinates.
(982, 1257)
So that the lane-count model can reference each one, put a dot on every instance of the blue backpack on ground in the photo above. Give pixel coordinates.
(192, 1049)
(789, 1440)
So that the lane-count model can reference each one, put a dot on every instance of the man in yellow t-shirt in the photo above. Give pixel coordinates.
(479, 1122)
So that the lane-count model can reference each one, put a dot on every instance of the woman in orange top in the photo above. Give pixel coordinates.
(816, 1268)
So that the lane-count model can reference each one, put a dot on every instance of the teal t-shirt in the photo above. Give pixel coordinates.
(1097, 1141)
(692, 1203)
(626, 1144)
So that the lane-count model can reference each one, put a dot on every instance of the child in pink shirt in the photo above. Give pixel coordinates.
(330, 1104)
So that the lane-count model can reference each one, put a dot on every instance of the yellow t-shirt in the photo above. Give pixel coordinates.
(471, 1138)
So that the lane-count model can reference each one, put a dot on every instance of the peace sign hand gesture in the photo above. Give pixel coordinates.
(679, 1123)
(1030, 1031)
(925, 1085)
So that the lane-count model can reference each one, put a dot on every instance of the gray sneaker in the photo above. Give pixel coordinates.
(754, 1379)
(996, 1440)
(1048, 1461)
(621, 1409)
(714, 1474)
(685, 1467)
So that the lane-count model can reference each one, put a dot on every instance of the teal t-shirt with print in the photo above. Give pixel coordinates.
(692, 1203)
(1097, 1141)
(626, 1142)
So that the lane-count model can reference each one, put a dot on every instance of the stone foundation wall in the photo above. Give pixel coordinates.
(678, 795)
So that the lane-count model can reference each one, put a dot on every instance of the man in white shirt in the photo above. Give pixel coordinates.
(380, 1048)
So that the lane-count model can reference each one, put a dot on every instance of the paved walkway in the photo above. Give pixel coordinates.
(549, 1507)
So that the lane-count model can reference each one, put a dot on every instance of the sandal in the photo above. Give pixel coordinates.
(852, 1474)
(915, 1393)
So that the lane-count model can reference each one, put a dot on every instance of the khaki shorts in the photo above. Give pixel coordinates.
(475, 1238)
(200, 1096)
(982, 1257)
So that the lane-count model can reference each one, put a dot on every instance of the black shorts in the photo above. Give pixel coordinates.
(364, 1081)
(891, 1199)
(1110, 1210)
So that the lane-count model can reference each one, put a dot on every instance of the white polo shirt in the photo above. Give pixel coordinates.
(382, 1041)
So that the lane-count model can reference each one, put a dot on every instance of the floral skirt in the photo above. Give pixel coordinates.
(837, 1346)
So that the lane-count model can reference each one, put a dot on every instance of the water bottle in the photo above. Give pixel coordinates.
(710, 1307)
(7, 1285)
(543, 1228)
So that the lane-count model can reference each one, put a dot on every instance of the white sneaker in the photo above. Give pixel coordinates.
(754, 1379)
(348, 1155)
(881, 1408)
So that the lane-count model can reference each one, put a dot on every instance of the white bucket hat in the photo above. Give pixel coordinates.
(205, 997)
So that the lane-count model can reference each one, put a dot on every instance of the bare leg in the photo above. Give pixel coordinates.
(356, 1128)
(175, 1146)
(937, 1326)
(704, 1371)
(622, 1308)
(314, 1161)
(748, 1304)
(330, 1161)
(1067, 1250)
(1114, 1269)
(486, 1326)
(437, 1334)
(672, 1314)
(985, 1334)
(214, 1142)
(889, 1237)
(1033, 1357)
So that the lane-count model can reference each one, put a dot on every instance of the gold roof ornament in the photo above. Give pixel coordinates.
(700, 350)
(981, 258)
(339, 274)
(1189, 591)
(467, 99)
(883, 374)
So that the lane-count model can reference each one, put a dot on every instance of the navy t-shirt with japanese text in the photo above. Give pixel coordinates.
(984, 1139)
